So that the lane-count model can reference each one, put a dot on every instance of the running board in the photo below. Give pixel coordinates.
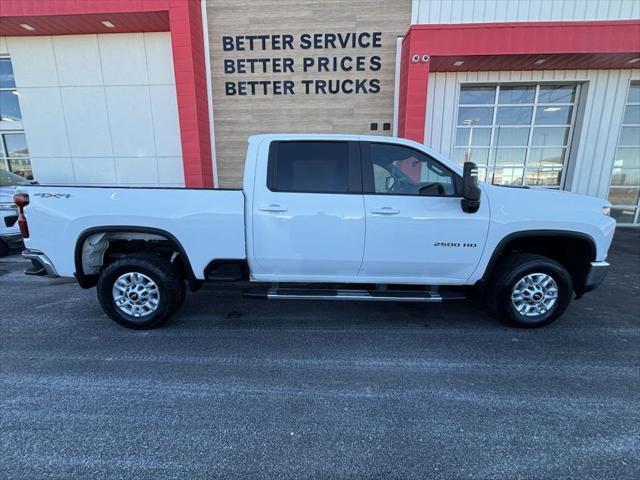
(353, 295)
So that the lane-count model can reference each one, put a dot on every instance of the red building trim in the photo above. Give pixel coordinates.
(505, 46)
(182, 18)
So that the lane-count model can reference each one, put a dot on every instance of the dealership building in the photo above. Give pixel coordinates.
(165, 92)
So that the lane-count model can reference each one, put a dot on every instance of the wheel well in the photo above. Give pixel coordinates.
(97, 248)
(573, 252)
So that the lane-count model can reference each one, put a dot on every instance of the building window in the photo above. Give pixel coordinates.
(14, 154)
(624, 190)
(517, 134)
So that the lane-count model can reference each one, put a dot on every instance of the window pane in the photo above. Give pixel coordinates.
(623, 196)
(625, 176)
(543, 176)
(539, 157)
(401, 170)
(510, 156)
(630, 136)
(506, 176)
(477, 95)
(9, 107)
(480, 136)
(312, 167)
(623, 215)
(634, 93)
(632, 115)
(627, 158)
(557, 94)
(6, 74)
(514, 115)
(517, 94)
(553, 115)
(475, 115)
(511, 137)
(550, 136)
(22, 167)
(476, 155)
(16, 145)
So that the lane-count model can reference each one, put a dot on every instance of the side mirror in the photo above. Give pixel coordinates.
(470, 190)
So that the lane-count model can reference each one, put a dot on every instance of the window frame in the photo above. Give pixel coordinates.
(368, 182)
(490, 167)
(354, 170)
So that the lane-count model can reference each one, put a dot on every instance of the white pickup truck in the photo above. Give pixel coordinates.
(328, 217)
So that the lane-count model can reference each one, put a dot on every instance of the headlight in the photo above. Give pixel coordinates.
(8, 206)
(606, 211)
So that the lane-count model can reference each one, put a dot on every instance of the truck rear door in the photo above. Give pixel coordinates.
(308, 216)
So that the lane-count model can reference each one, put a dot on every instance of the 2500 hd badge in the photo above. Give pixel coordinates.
(455, 244)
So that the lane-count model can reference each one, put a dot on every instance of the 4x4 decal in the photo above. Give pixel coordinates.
(52, 195)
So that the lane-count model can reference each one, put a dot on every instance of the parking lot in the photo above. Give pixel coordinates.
(239, 388)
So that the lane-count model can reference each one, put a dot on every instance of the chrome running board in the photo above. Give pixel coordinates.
(350, 295)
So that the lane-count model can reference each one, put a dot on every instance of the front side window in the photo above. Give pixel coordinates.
(311, 167)
(517, 134)
(400, 170)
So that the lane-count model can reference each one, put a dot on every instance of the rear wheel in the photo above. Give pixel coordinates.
(531, 290)
(141, 291)
(4, 248)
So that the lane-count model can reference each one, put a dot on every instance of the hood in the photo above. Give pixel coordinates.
(539, 200)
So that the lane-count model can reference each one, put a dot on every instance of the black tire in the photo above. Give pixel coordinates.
(514, 268)
(170, 287)
(4, 249)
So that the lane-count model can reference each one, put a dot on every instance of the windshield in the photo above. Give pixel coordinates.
(8, 179)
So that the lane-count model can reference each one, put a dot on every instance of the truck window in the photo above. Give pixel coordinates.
(400, 170)
(312, 167)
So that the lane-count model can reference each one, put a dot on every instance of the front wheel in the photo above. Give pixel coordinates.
(531, 290)
(141, 291)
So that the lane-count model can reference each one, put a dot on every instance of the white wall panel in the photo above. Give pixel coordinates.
(77, 60)
(137, 170)
(33, 60)
(603, 96)
(94, 105)
(124, 61)
(477, 11)
(43, 122)
(159, 58)
(54, 169)
(170, 170)
(130, 121)
(94, 170)
(85, 115)
(164, 108)
(4, 50)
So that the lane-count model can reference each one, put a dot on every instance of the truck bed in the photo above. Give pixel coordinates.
(208, 223)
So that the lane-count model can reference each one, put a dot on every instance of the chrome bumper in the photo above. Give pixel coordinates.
(596, 274)
(42, 260)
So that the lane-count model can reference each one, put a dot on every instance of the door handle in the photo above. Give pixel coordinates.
(273, 207)
(385, 211)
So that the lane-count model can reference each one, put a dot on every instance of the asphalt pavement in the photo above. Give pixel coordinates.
(240, 388)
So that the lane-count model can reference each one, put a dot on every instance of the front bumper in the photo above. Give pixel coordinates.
(39, 258)
(595, 276)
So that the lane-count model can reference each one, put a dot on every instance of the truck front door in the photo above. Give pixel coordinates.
(416, 230)
(308, 217)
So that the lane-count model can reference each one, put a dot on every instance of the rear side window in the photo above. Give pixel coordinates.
(312, 167)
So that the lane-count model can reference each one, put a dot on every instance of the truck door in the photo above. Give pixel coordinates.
(416, 230)
(308, 216)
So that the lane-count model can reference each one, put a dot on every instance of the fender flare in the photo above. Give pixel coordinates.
(88, 281)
